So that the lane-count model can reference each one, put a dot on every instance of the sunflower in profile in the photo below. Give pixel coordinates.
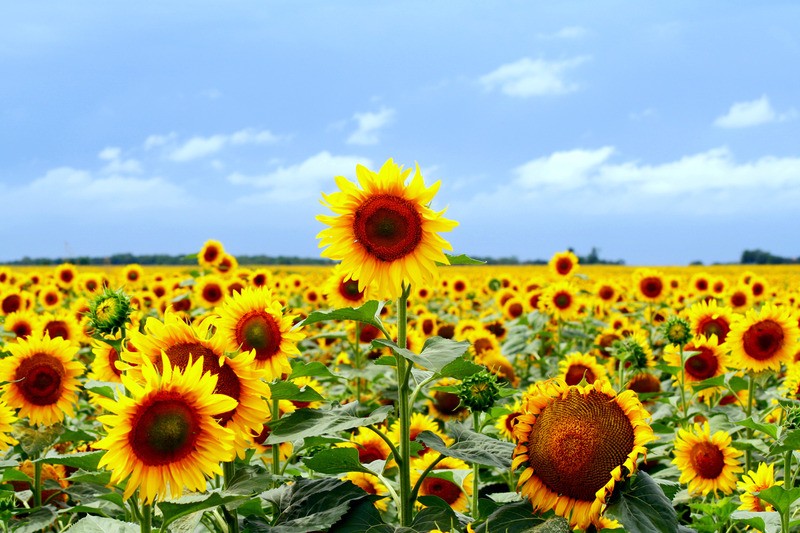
(42, 375)
(575, 367)
(456, 496)
(575, 443)
(764, 339)
(254, 320)
(708, 362)
(342, 290)
(708, 463)
(563, 264)
(7, 417)
(754, 482)
(210, 254)
(710, 318)
(164, 437)
(384, 232)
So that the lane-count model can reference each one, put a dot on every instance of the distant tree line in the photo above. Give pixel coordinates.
(166, 259)
(760, 257)
(592, 258)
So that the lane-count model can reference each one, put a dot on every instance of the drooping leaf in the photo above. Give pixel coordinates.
(286, 390)
(363, 517)
(471, 447)
(643, 507)
(315, 422)
(335, 461)
(99, 524)
(461, 259)
(767, 429)
(780, 497)
(436, 353)
(765, 522)
(314, 369)
(369, 313)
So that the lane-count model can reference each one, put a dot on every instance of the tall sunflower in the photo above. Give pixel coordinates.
(163, 437)
(563, 264)
(43, 378)
(254, 320)
(710, 360)
(574, 443)
(764, 339)
(708, 463)
(385, 231)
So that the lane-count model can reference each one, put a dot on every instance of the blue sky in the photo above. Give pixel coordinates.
(660, 133)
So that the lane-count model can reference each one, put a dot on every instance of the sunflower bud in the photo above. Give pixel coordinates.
(478, 392)
(677, 331)
(109, 311)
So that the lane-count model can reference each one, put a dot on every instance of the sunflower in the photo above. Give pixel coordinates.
(385, 232)
(709, 362)
(51, 474)
(456, 496)
(560, 300)
(426, 324)
(90, 283)
(709, 318)
(499, 365)
(261, 277)
(43, 378)
(209, 291)
(574, 443)
(7, 417)
(104, 363)
(650, 285)
(210, 254)
(459, 285)
(576, 367)
(305, 381)
(21, 324)
(738, 297)
(50, 297)
(132, 275)
(754, 482)
(65, 275)
(11, 301)
(700, 283)
(758, 287)
(342, 291)
(764, 339)
(164, 435)
(790, 388)
(446, 406)
(61, 324)
(708, 463)
(506, 422)
(370, 484)
(607, 293)
(253, 320)
(563, 264)
(227, 263)
(644, 383)
(513, 308)
(418, 424)
(369, 445)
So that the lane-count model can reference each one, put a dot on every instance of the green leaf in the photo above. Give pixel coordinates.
(286, 390)
(460, 369)
(97, 478)
(780, 497)
(789, 441)
(643, 507)
(439, 517)
(83, 460)
(460, 259)
(335, 461)
(103, 388)
(514, 517)
(768, 429)
(98, 524)
(435, 355)
(39, 520)
(363, 516)
(471, 447)
(314, 369)
(172, 511)
(555, 524)
(369, 313)
(315, 422)
(718, 381)
(12, 474)
(766, 522)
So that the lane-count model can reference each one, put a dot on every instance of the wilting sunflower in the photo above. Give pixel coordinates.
(709, 318)
(710, 360)
(253, 320)
(385, 232)
(342, 291)
(563, 264)
(764, 339)
(43, 375)
(575, 444)
(707, 463)
(456, 496)
(7, 417)
(754, 482)
(210, 254)
(164, 435)
(576, 367)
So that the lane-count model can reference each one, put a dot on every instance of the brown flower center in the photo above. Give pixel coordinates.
(164, 430)
(651, 286)
(210, 254)
(443, 488)
(708, 326)
(369, 451)
(259, 331)
(738, 299)
(41, 378)
(515, 310)
(576, 373)
(707, 460)
(447, 403)
(212, 293)
(564, 266)
(644, 382)
(349, 290)
(577, 441)
(763, 339)
(562, 300)
(388, 227)
(606, 293)
(57, 328)
(11, 303)
(703, 365)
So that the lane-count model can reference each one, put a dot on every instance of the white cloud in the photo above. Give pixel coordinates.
(369, 124)
(561, 170)
(154, 141)
(568, 32)
(302, 180)
(198, 147)
(110, 153)
(533, 77)
(753, 113)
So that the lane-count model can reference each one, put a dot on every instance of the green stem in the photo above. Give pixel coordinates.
(37, 484)
(403, 372)
(788, 484)
(476, 425)
(147, 516)
(751, 390)
(387, 440)
(276, 448)
(357, 358)
(682, 384)
(231, 516)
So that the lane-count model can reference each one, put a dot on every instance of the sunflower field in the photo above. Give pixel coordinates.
(402, 389)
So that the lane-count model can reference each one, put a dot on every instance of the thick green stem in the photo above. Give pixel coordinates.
(37, 484)
(682, 385)
(231, 516)
(276, 448)
(476, 425)
(147, 516)
(403, 372)
(751, 392)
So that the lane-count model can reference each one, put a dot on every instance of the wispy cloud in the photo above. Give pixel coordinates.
(198, 147)
(533, 77)
(752, 113)
(369, 125)
(301, 180)
(568, 32)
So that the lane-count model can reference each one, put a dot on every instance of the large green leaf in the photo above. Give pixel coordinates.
(98, 524)
(471, 447)
(642, 507)
(195, 503)
(83, 460)
(461, 259)
(39, 520)
(460, 368)
(286, 390)
(789, 441)
(103, 388)
(314, 369)
(780, 497)
(514, 517)
(766, 522)
(315, 422)
(369, 313)
(363, 517)
(439, 517)
(335, 461)
(768, 429)
(436, 353)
